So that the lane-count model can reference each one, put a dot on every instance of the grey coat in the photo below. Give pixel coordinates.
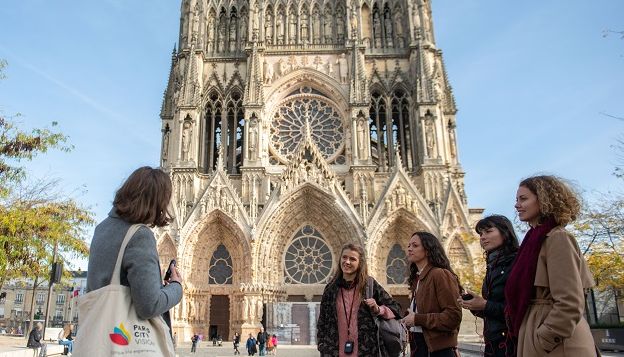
(140, 269)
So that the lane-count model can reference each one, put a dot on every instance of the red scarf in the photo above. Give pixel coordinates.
(520, 288)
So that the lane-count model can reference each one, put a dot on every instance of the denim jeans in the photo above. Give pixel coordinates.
(68, 343)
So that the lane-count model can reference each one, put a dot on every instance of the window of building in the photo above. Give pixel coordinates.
(60, 299)
(396, 266)
(19, 298)
(40, 298)
(220, 271)
(308, 259)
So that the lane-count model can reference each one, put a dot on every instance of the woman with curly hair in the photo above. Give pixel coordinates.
(545, 290)
(434, 314)
(346, 324)
(499, 241)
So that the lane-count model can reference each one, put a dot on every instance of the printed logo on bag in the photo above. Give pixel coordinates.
(121, 336)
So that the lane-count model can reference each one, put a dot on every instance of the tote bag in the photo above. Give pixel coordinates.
(109, 325)
(391, 333)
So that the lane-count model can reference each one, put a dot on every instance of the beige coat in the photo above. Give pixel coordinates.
(554, 321)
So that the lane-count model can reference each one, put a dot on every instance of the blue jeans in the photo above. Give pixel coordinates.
(68, 343)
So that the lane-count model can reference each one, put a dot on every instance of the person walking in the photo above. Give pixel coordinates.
(434, 315)
(236, 343)
(142, 199)
(346, 324)
(274, 343)
(34, 340)
(261, 341)
(544, 294)
(194, 341)
(65, 338)
(251, 346)
(499, 241)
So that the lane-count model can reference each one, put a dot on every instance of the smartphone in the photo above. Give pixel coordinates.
(467, 296)
(168, 273)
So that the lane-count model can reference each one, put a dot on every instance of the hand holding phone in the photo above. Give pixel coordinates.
(172, 263)
(467, 297)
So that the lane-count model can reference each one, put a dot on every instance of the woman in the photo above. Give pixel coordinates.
(544, 293)
(65, 338)
(346, 324)
(499, 241)
(236, 343)
(143, 198)
(434, 314)
(34, 340)
(274, 342)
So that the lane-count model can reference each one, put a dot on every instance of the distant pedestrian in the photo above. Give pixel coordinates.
(262, 338)
(274, 344)
(34, 340)
(500, 244)
(194, 341)
(545, 290)
(236, 343)
(251, 345)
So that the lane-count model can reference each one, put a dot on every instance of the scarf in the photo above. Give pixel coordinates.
(520, 289)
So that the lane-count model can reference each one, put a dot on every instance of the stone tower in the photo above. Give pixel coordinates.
(290, 128)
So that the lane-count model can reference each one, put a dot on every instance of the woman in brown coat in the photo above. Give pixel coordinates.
(545, 290)
(434, 314)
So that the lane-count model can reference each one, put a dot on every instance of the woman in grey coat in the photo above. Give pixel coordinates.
(143, 198)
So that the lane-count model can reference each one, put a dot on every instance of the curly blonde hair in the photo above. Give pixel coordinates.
(555, 197)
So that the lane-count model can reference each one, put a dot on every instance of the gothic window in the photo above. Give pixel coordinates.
(233, 137)
(220, 271)
(308, 259)
(396, 266)
(212, 136)
(302, 112)
(378, 129)
(401, 127)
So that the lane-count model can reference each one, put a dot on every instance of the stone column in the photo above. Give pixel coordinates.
(312, 310)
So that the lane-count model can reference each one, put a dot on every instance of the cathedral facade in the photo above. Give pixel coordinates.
(292, 127)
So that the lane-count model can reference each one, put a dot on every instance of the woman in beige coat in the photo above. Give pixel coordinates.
(545, 290)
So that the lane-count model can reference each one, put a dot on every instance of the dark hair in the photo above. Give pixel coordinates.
(504, 226)
(362, 272)
(144, 197)
(555, 197)
(435, 255)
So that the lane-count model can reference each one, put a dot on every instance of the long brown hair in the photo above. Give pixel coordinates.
(435, 255)
(362, 271)
(144, 197)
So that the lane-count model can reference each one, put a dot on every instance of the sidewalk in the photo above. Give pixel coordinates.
(11, 346)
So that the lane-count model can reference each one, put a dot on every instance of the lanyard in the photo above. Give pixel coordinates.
(348, 318)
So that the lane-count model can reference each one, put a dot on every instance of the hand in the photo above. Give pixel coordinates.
(372, 304)
(477, 303)
(408, 320)
(175, 275)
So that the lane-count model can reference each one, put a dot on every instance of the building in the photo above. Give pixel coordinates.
(290, 128)
(15, 306)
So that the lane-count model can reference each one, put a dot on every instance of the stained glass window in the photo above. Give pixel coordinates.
(220, 271)
(396, 266)
(308, 259)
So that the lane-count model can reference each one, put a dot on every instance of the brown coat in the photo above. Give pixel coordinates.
(439, 312)
(554, 324)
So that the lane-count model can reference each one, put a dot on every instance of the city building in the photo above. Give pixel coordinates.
(290, 128)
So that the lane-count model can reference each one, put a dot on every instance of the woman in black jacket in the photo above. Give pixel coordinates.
(34, 339)
(500, 244)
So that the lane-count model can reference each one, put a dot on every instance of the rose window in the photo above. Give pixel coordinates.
(308, 259)
(302, 112)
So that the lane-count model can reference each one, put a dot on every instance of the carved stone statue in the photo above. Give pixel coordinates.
(268, 28)
(330, 68)
(327, 26)
(253, 139)
(430, 139)
(343, 68)
(244, 30)
(280, 28)
(211, 32)
(354, 20)
(282, 67)
(222, 27)
(292, 31)
(316, 26)
(388, 26)
(340, 26)
(377, 29)
(268, 72)
(304, 31)
(362, 139)
(187, 131)
(165, 143)
(398, 29)
(232, 39)
(452, 142)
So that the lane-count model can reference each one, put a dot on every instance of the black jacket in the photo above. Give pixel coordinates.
(34, 339)
(327, 326)
(493, 290)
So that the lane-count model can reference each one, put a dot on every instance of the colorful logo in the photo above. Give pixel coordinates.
(121, 336)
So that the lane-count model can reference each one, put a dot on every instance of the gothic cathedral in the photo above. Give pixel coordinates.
(289, 128)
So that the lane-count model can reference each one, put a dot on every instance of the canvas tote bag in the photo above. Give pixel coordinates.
(109, 325)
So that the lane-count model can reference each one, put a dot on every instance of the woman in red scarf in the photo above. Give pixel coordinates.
(545, 290)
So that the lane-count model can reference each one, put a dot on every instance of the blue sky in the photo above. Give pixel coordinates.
(531, 79)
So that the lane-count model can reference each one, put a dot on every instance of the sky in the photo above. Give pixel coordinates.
(537, 85)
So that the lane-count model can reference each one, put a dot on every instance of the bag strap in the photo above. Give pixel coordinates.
(369, 287)
(115, 279)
